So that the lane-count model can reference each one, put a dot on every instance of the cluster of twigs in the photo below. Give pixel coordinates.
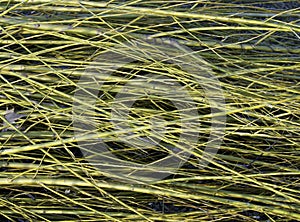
(251, 47)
